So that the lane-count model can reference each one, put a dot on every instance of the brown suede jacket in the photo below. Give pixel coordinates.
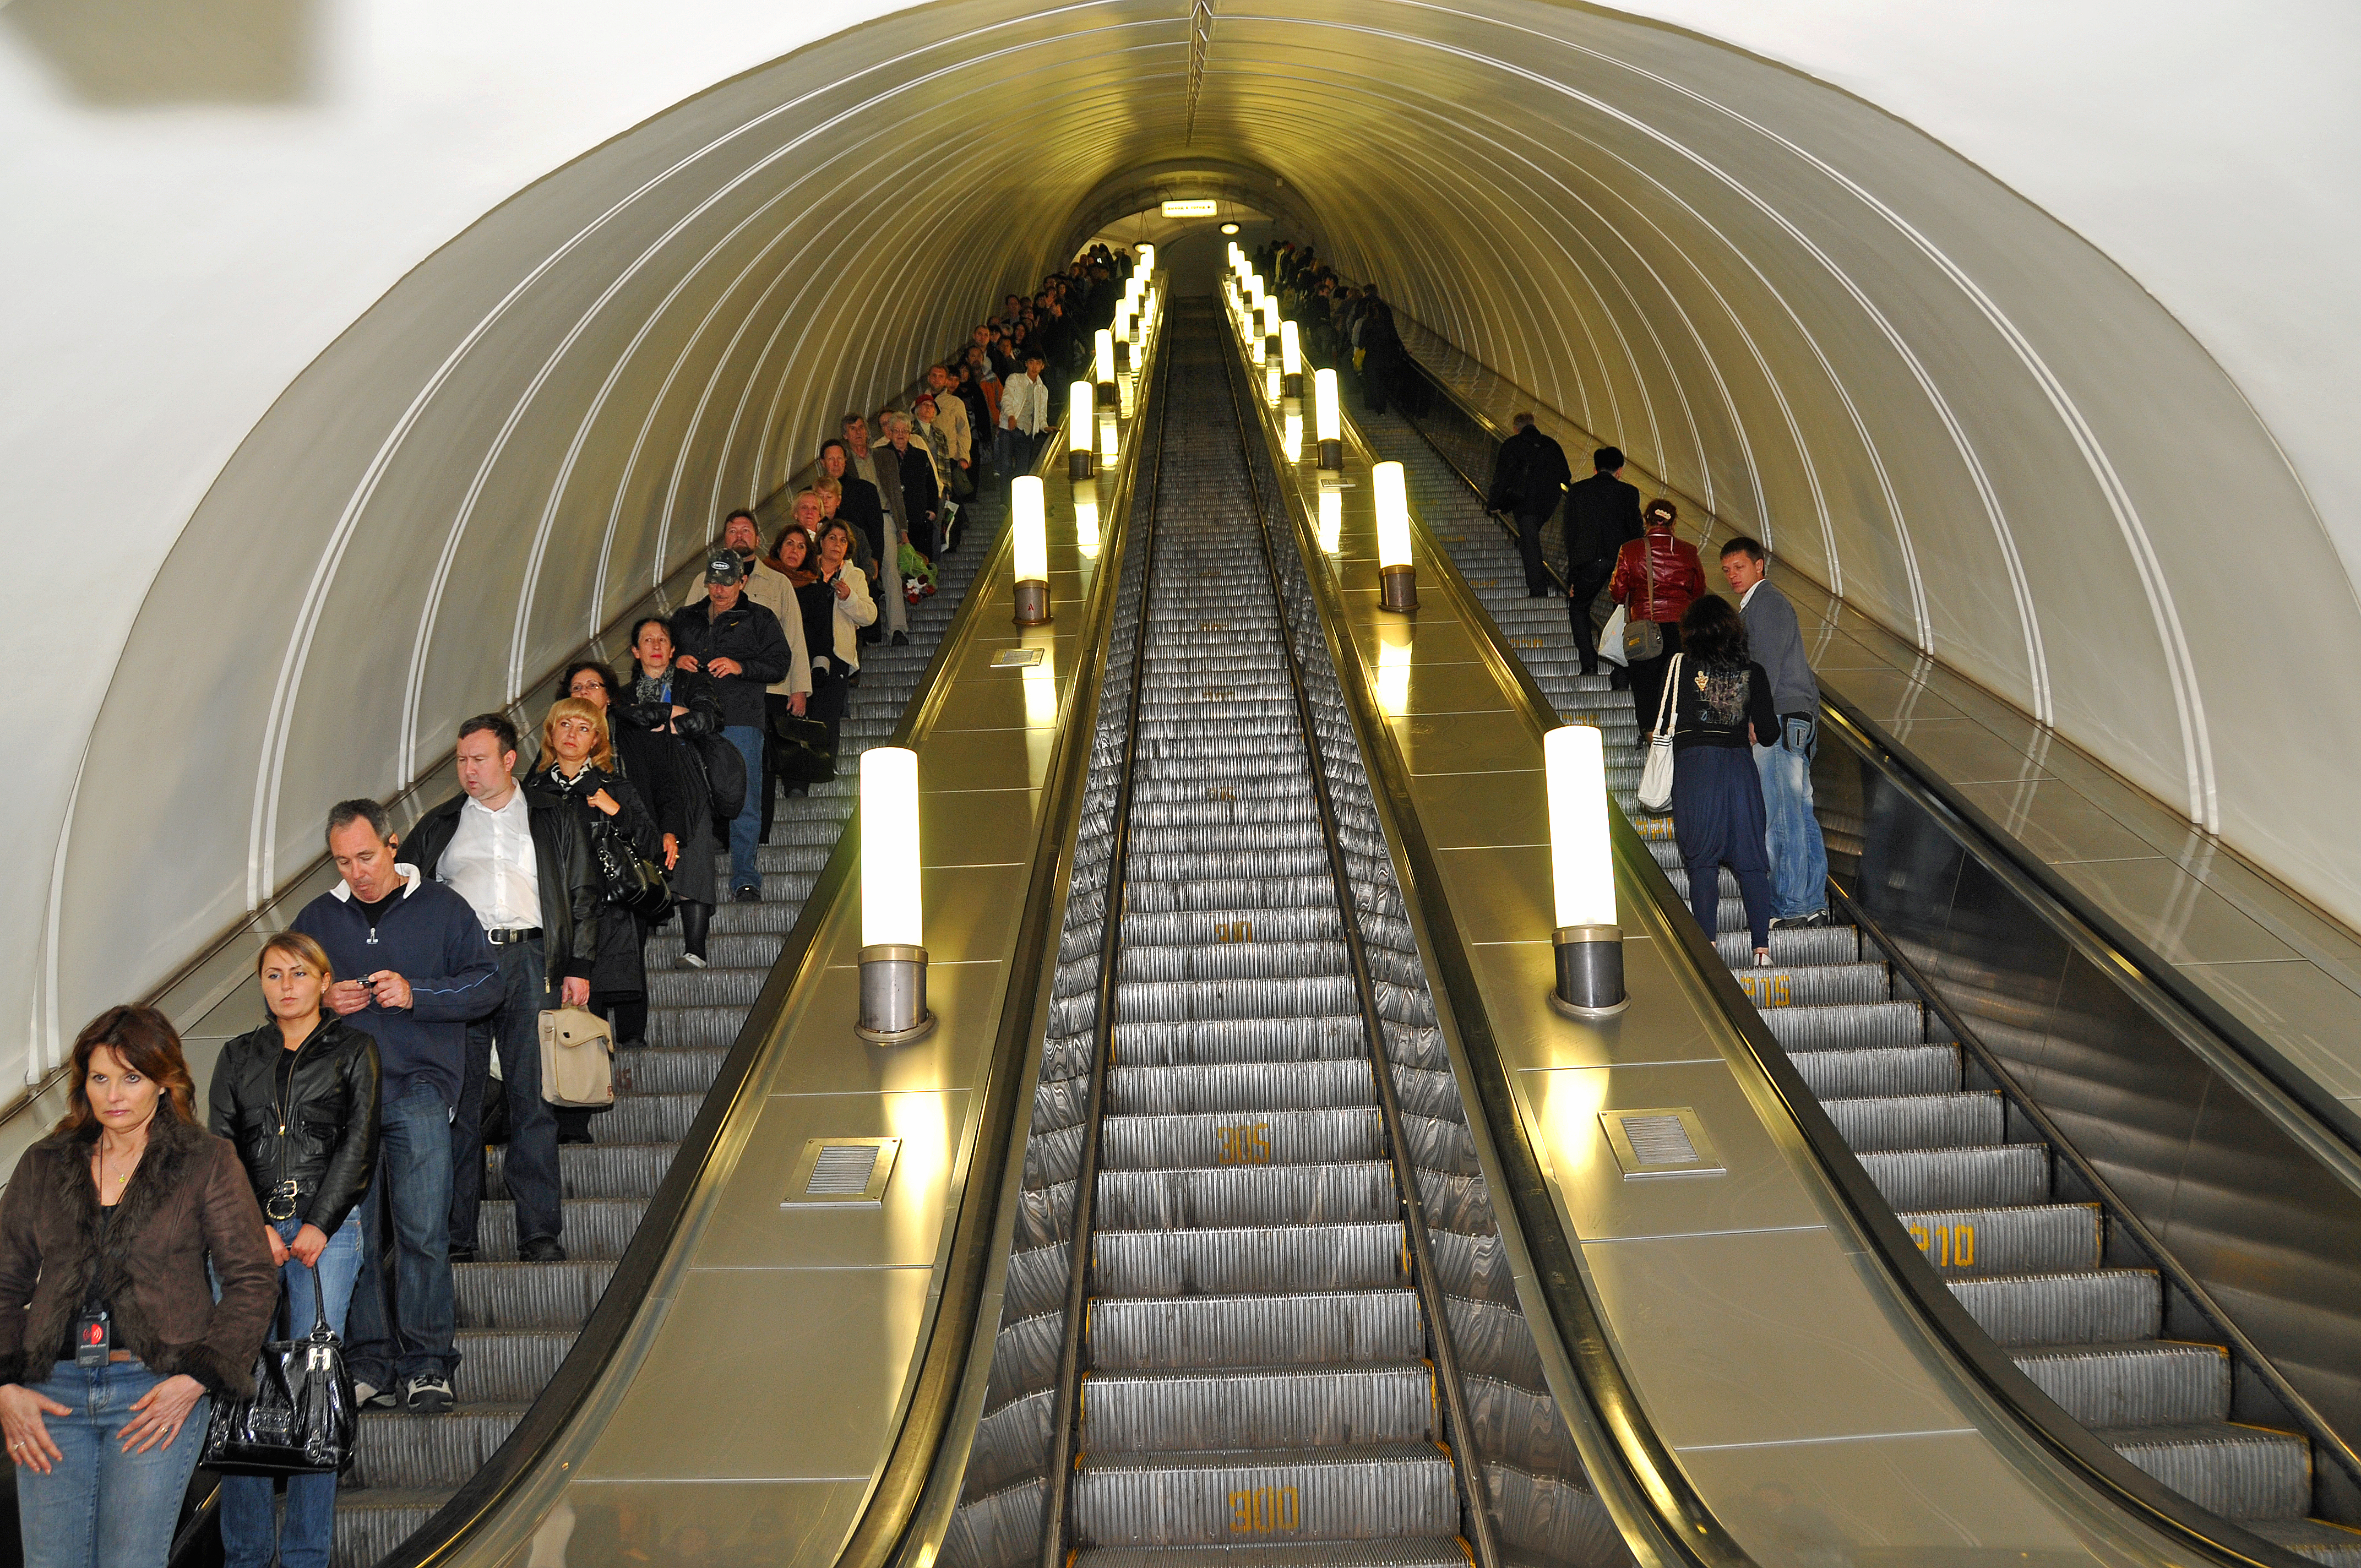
(189, 1199)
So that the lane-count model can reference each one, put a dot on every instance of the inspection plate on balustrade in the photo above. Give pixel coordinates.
(842, 1173)
(1665, 1142)
(1015, 658)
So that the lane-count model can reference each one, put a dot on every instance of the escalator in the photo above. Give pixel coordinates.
(2003, 1208)
(516, 1319)
(1291, 1330)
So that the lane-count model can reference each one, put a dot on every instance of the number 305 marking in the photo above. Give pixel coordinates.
(1263, 1510)
(1243, 1145)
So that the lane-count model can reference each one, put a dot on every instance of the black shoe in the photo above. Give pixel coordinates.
(575, 1138)
(1798, 921)
(900, 640)
(462, 1255)
(748, 896)
(798, 791)
(1619, 680)
(428, 1394)
(543, 1249)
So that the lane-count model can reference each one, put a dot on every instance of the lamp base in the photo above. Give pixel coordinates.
(1331, 456)
(1104, 393)
(894, 995)
(1032, 603)
(1292, 386)
(1398, 588)
(1589, 972)
(1081, 462)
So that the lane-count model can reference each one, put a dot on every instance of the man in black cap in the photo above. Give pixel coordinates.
(738, 644)
(1528, 478)
(1601, 513)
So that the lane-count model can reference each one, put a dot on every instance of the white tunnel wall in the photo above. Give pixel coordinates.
(1923, 389)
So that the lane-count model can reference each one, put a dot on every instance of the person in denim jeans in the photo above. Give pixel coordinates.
(114, 1230)
(1799, 860)
(740, 646)
(419, 968)
(299, 1098)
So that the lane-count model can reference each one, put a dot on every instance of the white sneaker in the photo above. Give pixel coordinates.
(369, 1396)
(1762, 957)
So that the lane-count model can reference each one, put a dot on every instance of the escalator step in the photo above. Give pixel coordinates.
(1275, 1137)
(1172, 1000)
(1241, 1086)
(1885, 1069)
(1815, 985)
(598, 1170)
(1238, 1408)
(2039, 1238)
(1254, 1331)
(2152, 1383)
(2003, 1176)
(1264, 956)
(1848, 1025)
(1330, 1038)
(1226, 1196)
(417, 1452)
(1919, 1121)
(2238, 1472)
(1365, 1492)
(1451, 1553)
(1220, 1262)
(1794, 946)
(1544, 1520)
(2094, 1308)
(2322, 1542)
(528, 1295)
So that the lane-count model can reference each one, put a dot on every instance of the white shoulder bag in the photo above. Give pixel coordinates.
(1656, 773)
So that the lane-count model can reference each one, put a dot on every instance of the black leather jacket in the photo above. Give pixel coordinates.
(324, 1143)
(565, 869)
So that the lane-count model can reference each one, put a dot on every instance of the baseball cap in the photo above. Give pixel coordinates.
(722, 567)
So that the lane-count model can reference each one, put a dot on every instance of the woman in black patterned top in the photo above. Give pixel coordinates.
(1721, 702)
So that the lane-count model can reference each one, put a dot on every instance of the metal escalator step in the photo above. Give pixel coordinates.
(1009, 1442)
(2150, 1383)
(774, 917)
(1228, 1261)
(648, 1118)
(701, 1027)
(1324, 1328)
(371, 1521)
(1024, 1356)
(595, 1228)
(1544, 1519)
(1251, 955)
(1476, 1268)
(1192, 928)
(1518, 1425)
(1725, 884)
(510, 1368)
(1256, 838)
(2094, 1306)
(1882, 1070)
(2238, 1472)
(673, 1069)
(1453, 1552)
(1494, 1341)
(1239, 1086)
(1327, 1038)
(1847, 1026)
(745, 950)
(1965, 1117)
(1794, 946)
(1241, 1195)
(1273, 1137)
(422, 1453)
(529, 1294)
(1277, 1407)
(1229, 895)
(713, 987)
(2003, 1176)
(598, 1170)
(1363, 1493)
(1170, 1001)
(1815, 985)
(2331, 1544)
(2039, 1238)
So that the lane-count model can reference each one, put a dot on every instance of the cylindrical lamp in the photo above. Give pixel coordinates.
(1291, 430)
(1086, 516)
(1029, 547)
(1582, 873)
(1103, 362)
(1331, 518)
(1290, 360)
(893, 936)
(1397, 583)
(1147, 261)
(1081, 420)
(1327, 422)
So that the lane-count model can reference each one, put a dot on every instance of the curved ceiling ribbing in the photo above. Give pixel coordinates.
(1921, 389)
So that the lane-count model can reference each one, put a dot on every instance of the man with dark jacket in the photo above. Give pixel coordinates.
(1528, 477)
(859, 504)
(886, 583)
(915, 472)
(1799, 858)
(527, 869)
(414, 968)
(1602, 515)
(739, 646)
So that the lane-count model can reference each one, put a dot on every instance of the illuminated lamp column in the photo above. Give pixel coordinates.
(893, 935)
(1327, 422)
(1397, 581)
(1589, 944)
(1029, 547)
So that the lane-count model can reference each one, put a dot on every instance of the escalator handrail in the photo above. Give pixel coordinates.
(1627, 1460)
(2215, 1540)
(691, 1176)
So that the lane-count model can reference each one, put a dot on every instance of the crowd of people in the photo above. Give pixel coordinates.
(1344, 326)
(1722, 679)
(147, 1246)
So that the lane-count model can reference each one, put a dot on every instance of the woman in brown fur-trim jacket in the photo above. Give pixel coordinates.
(110, 1340)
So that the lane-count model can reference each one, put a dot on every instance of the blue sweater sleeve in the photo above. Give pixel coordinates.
(469, 986)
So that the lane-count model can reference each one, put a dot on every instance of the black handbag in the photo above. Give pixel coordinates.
(303, 1417)
(725, 773)
(800, 752)
(631, 880)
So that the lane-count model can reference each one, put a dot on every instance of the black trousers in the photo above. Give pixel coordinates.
(1583, 586)
(1529, 546)
(1648, 679)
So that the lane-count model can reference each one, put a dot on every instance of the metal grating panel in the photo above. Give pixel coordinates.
(843, 1173)
(1664, 1142)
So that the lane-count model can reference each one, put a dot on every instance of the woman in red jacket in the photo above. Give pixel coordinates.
(1657, 577)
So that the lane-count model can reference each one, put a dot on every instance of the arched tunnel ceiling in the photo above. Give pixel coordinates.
(1838, 333)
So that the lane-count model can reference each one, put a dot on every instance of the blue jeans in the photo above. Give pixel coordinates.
(1799, 860)
(746, 828)
(99, 1507)
(249, 1533)
(1011, 454)
(407, 1332)
(531, 1168)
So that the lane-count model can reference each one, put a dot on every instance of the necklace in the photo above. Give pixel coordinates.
(125, 1177)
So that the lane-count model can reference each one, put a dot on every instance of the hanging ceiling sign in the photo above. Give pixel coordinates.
(1191, 209)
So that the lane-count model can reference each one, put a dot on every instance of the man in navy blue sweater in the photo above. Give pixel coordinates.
(413, 968)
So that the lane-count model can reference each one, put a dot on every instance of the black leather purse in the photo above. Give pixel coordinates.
(800, 752)
(630, 879)
(303, 1417)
